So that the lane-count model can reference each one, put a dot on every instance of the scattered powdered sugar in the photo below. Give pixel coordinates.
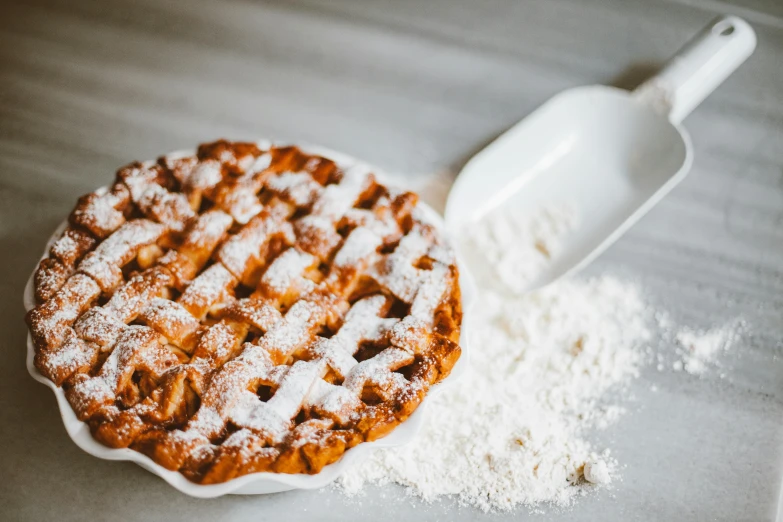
(699, 348)
(695, 351)
(513, 429)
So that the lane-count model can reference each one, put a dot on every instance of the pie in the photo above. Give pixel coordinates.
(246, 308)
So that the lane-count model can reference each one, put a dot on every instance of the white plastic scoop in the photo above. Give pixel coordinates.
(610, 154)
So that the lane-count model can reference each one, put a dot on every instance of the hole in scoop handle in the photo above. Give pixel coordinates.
(699, 67)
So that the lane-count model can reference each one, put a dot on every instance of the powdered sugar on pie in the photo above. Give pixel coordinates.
(245, 309)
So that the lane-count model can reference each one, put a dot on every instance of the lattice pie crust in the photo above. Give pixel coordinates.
(247, 308)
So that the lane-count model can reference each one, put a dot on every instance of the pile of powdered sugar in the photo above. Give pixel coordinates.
(512, 431)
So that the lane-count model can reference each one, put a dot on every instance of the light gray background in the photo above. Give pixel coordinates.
(413, 87)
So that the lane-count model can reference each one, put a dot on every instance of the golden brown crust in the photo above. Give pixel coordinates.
(245, 310)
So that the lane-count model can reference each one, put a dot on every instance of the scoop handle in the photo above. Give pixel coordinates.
(699, 67)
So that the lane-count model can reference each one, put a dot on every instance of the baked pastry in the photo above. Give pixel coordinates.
(247, 308)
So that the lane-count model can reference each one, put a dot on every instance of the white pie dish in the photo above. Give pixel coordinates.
(265, 482)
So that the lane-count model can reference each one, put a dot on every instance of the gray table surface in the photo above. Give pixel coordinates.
(413, 87)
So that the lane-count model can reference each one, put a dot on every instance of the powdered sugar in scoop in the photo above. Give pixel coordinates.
(517, 245)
